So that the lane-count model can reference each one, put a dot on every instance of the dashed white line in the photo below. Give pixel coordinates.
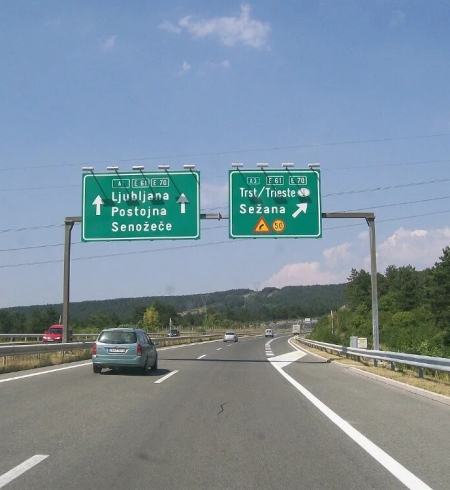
(21, 468)
(201, 357)
(220, 348)
(268, 349)
(165, 377)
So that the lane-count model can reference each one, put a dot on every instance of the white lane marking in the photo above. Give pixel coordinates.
(166, 376)
(45, 372)
(394, 467)
(288, 358)
(89, 363)
(21, 468)
(268, 349)
(220, 348)
(201, 357)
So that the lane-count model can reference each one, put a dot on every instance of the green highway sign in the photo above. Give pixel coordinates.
(283, 203)
(140, 206)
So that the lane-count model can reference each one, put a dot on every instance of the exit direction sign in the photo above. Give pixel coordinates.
(283, 203)
(141, 206)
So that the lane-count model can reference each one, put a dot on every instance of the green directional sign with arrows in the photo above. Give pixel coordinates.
(140, 206)
(283, 203)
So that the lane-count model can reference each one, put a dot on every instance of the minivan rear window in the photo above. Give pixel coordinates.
(118, 338)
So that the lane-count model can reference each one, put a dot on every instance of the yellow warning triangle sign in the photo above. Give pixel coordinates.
(261, 226)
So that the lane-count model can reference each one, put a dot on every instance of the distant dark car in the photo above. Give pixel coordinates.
(173, 332)
(55, 334)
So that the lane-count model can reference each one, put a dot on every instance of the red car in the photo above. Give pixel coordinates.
(54, 334)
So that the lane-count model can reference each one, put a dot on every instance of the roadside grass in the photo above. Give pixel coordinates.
(12, 364)
(433, 381)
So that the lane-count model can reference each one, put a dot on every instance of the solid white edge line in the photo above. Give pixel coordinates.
(21, 468)
(45, 372)
(201, 357)
(394, 467)
(166, 376)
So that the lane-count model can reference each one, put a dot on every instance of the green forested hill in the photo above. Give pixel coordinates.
(236, 305)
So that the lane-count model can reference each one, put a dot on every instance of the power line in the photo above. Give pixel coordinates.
(165, 249)
(370, 189)
(335, 194)
(228, 152)
(331, 169)
(28, 228)
(419, 201)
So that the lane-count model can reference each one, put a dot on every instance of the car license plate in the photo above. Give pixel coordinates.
(115, 350)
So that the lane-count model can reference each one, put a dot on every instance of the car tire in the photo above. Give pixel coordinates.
(145, 368)
(97, 369)
(155, 364)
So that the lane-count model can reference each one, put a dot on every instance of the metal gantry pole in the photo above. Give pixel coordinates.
(374, 278)
(369, 217)
(68, 222)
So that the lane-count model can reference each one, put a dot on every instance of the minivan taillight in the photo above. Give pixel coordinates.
(139, 350)
(94, 349)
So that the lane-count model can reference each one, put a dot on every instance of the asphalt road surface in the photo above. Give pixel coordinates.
(257, 414)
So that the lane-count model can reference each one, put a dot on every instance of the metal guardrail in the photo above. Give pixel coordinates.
(29, 349)
(421, 362)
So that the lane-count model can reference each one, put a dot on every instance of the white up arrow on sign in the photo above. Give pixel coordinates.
(98, 202)
(183, 200)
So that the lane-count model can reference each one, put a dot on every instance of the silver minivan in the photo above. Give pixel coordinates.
(124, 348)
(269, 333)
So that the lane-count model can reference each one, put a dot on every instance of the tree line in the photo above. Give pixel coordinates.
(414, 310)
(225, 309)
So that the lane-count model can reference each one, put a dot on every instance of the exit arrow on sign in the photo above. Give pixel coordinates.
(301, 209)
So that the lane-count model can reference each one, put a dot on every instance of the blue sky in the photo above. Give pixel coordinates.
(359, 86)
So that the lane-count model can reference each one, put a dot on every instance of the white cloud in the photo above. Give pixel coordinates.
(109, 43)
(169, 27)
(303, 274)
(221, 64)
(230, 31)
(185, 67)
(338, 255)
(420, 248)
(214, 195)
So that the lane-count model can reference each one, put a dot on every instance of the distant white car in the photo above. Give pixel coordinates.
(230, 337)
(269, 333)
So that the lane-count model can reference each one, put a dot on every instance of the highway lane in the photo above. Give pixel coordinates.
(227, 420)
(408, 426)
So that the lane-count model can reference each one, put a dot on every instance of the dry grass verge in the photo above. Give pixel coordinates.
(12, 364)
(435, 382)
